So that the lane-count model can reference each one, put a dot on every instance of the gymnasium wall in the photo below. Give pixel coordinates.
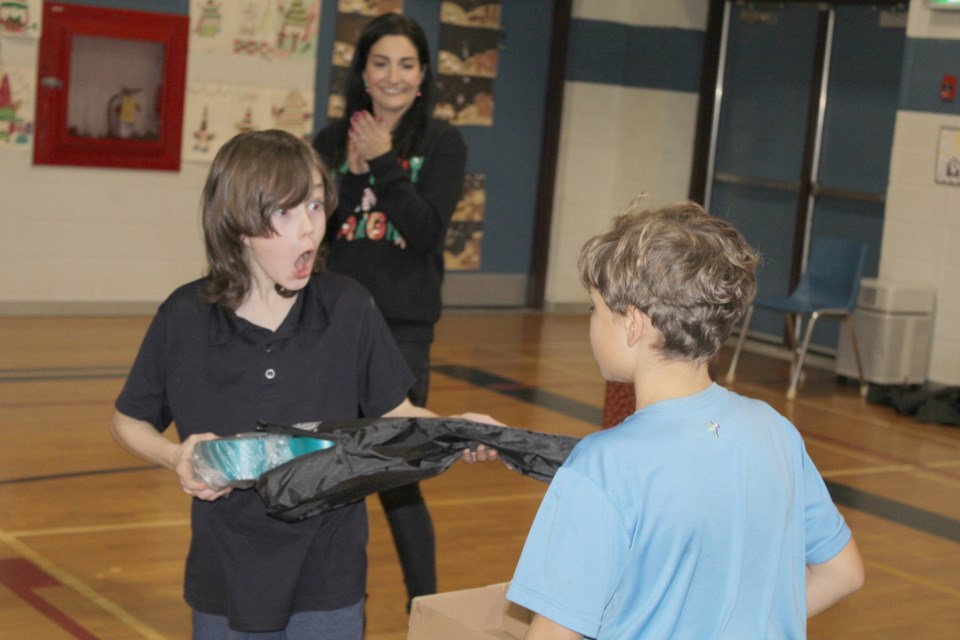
(103, 241)
(922, 219)
(92, 240)
(629, 118)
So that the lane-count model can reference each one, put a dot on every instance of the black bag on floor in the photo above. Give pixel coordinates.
(373, 455)
(941, 408)
(931, 406)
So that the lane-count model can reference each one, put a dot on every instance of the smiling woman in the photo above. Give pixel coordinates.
(400, 175)
(393, 76)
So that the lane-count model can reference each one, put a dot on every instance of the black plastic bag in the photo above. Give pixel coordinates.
(373, 455)
(928, 405)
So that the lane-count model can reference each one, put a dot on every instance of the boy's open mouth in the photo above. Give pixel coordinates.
(303, 267)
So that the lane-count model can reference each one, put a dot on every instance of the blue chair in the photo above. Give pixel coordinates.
(827, 289)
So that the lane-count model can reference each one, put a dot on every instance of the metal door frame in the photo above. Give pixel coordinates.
(711, 103)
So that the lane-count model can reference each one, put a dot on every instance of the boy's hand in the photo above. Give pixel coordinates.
(482, 453)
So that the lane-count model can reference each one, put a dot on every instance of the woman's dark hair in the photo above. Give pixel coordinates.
(253, 175)
(414, 121)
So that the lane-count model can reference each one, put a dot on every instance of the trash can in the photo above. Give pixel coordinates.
(894, 323)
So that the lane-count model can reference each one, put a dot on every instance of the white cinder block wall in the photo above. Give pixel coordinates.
(617, 142)
(90, 240)
(79, 240)
(921, 233)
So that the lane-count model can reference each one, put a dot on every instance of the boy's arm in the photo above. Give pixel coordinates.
(407, 409)
(142, 440)
(834, 579)
(482, 453)
(546, 629)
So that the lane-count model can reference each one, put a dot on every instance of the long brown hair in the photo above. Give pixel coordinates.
(253, 175)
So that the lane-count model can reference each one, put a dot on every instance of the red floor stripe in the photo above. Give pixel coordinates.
(22, 577)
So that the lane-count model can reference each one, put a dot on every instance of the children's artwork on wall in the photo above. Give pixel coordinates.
(292, 111)
(471, 13)
(466, 51)
(20, 18)
(271, 29)
(468, 57)
(206, 19)
(16, 107)
(464, 100)
(370, 8)
(465, 234)
(352, 17)
(215, 113)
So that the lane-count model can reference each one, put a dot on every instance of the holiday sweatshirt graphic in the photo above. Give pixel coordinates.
(366, 223)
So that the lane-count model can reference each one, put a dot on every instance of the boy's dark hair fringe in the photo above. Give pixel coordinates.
(253, 175)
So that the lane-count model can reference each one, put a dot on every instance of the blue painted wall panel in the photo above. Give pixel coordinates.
(862, 102)
(632, 56)
(925, 62)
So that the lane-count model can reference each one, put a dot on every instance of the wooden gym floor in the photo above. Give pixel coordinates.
(92, 540)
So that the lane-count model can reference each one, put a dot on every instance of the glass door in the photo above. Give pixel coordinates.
(802, 130)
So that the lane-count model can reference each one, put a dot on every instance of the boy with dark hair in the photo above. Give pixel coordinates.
(701, 515)
(266, 335)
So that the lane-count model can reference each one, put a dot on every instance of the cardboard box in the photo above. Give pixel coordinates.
(471, 614)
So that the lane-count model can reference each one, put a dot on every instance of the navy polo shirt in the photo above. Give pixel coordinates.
(208, 370)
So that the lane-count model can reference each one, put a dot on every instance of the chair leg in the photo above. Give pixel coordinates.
(795, 377)
(731, 372)
(792, 327)
(856, 355)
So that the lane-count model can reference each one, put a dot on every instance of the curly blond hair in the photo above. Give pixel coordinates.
(692, 274)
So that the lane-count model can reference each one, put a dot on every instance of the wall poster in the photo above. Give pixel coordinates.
(21, 18)
(465, 233)
(214, 113)
(271, 29)
(468, 56)
(16, 107)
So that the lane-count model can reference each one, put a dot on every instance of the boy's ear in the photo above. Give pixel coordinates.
(636, 325)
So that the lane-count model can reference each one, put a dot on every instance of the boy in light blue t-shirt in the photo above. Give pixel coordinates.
(701, 515)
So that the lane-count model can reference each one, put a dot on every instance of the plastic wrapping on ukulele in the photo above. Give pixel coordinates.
(369, 456)
(237, 461)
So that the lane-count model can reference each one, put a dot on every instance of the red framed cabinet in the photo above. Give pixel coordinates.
(111, 87)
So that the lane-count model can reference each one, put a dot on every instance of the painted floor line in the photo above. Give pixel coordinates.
(83, 589)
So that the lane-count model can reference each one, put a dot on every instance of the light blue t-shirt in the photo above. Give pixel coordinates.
(693, 519)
